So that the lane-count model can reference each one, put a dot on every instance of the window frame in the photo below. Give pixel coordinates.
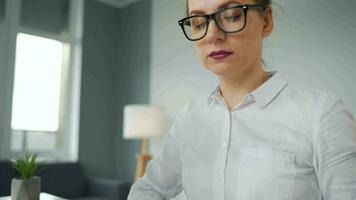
(70, 108)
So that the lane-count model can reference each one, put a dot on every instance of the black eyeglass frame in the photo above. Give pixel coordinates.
(244, 7)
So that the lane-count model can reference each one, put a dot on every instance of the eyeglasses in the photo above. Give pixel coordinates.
(228, 20)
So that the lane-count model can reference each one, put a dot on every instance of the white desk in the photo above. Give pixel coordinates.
(43, 196)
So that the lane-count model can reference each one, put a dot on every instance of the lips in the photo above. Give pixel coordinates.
(220, 54)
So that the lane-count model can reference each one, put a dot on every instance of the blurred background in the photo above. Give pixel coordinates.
(68, 68)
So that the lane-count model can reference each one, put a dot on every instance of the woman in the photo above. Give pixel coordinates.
(256, 136)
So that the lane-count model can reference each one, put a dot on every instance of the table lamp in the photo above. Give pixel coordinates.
(143, 122)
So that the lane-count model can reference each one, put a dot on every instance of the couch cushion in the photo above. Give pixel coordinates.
(63, 179)
(6, 175)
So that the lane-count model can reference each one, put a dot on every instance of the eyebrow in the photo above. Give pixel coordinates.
(224, 5)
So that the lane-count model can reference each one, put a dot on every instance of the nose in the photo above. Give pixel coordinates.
(214, 34)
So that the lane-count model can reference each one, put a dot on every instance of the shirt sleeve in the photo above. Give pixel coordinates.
(162, 179)
(336, 150)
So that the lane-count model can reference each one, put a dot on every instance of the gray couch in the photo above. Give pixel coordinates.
(67, 180)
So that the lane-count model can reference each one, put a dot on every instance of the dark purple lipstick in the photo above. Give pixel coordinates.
(220, 54)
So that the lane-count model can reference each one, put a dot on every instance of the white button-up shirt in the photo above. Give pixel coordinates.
(282, 142)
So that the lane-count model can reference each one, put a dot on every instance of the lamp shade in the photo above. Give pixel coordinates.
(143, 121)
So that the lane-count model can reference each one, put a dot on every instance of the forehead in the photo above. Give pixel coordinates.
(213, 5)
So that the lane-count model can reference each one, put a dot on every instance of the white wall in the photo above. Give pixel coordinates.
(313, 44)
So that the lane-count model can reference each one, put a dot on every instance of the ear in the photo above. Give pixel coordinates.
(268, 23)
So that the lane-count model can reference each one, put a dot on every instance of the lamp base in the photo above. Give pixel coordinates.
(142, 160)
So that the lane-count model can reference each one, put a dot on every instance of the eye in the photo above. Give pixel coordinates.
(232, 18)
(186, 23)
(232, 14)
(198, 23)
(200, 26)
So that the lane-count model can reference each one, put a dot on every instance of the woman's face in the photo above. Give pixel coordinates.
(241, 51)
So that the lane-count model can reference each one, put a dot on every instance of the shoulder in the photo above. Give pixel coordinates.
(192, 110)
(314, 104)
(194, 105)
(308, 97)
(298, 91)
(301, 104)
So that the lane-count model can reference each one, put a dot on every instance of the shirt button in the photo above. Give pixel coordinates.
(224, 144)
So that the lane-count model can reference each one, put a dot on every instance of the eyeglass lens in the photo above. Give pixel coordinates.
(228, 20)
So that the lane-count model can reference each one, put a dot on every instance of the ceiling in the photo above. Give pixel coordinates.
(118, 3)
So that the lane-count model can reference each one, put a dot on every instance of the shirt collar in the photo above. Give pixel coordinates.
(214, 95)
(264, 94)
(269, 89)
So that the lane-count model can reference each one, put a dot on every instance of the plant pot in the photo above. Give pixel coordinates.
(26, 189)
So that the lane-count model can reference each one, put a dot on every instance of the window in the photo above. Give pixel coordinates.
(36, 106)
(40, 72)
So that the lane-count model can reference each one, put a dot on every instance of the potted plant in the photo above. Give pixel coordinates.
(27, 186)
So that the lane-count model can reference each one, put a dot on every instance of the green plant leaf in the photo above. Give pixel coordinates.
(27, 166)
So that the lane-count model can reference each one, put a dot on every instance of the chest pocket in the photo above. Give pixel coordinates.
(265, 173)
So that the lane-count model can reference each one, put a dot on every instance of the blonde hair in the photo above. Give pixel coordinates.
(265, 3)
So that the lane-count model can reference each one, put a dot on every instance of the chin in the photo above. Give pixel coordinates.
(223, 69)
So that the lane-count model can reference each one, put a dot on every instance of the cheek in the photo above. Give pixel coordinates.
(201, 52)
(247, 44)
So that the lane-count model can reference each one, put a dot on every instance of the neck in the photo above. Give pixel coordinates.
(235, 88)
